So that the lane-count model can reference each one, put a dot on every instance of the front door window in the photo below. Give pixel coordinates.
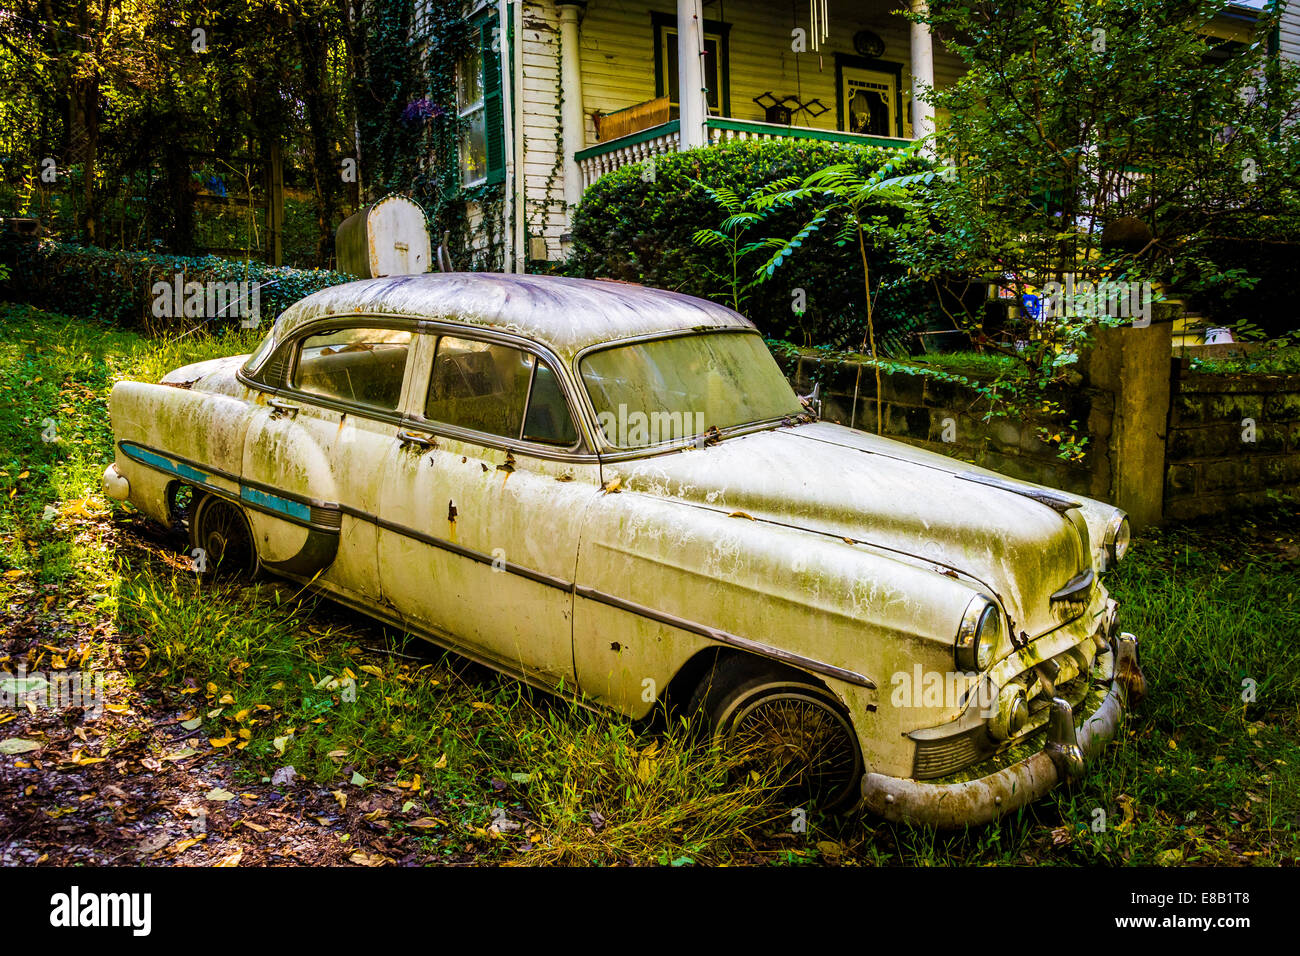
(869, 99)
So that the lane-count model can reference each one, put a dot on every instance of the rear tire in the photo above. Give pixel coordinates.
(766, 715)
(221, 539)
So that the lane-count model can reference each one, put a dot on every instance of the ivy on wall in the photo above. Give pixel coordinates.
(409, 129)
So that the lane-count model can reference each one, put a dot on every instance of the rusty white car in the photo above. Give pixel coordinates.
(612, 492)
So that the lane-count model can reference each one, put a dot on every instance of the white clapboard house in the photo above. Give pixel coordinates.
(560, 92)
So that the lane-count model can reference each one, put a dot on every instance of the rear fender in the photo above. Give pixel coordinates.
(163, 434)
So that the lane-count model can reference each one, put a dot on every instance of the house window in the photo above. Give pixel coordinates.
(869, 93)
(716, 62)
(478, 104)
(469, 104)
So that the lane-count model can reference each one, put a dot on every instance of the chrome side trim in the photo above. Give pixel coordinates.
(1053, 499)
(724, 637)
(1076, 588)
(327, 517)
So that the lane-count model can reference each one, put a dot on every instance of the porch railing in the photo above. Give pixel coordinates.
(596, 161)
(603, 158)
(722, 129)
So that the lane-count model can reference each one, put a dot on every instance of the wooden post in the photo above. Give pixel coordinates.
(275, 206)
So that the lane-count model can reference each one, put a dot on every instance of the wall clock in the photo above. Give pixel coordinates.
(868, 44)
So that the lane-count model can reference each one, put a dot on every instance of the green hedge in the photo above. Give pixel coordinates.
(117, 287)
(640, 231)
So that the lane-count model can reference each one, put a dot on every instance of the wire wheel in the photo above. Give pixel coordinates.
(221, 539)
(781, 723)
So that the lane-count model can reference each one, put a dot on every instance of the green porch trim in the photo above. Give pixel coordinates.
(645, 135)
(804, 132)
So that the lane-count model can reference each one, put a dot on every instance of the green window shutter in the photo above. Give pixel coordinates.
(493, 119)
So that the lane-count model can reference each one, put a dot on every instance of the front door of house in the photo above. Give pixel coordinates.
(869, 101)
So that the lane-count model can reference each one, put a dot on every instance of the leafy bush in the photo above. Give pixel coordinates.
(629, 227)
(117, 287)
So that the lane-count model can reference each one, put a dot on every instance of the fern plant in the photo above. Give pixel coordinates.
(881, 201)
(742, 215)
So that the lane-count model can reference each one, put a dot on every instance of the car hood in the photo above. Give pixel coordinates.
(834, 480)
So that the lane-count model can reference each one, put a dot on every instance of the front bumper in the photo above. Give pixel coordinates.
(1071, 742)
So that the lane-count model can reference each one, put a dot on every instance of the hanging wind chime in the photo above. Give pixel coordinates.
(819, 28)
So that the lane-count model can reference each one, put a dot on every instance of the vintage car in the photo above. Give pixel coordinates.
(613, 493)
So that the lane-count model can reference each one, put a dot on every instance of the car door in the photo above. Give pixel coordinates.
(314, 459)
(482, 503)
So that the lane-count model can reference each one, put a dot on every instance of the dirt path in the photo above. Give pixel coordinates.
(133, 786)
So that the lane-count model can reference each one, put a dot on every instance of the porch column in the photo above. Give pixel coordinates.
(572, 119)
(690, 74)
(922, 73)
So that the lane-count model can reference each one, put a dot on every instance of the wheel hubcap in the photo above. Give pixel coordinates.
(225, 538)
(811, 746)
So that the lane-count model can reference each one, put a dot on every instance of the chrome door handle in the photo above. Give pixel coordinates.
(279, 408)
(410, 438)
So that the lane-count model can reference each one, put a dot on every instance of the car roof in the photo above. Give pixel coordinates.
(563, 314)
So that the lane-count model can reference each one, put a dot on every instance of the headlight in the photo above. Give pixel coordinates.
(1118, 535)
(979, 634)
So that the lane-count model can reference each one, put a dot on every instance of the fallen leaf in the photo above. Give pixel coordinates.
(184, 845)
(17, 745)
(427, 823)
(232, 860)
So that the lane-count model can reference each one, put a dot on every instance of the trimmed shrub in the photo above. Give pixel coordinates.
(630, 228)
(117, 287)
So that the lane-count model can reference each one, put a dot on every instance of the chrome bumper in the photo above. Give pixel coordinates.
(986, 798)
(114, 484)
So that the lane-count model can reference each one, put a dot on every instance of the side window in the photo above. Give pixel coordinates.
(548, 420)
(499, 390)
(360, 366)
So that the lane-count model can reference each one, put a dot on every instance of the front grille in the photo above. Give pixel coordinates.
(945, 750)
(945, 755)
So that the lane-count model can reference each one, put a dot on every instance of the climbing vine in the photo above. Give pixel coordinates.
(408, 125)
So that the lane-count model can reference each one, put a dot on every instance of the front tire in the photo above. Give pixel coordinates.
(766, 715)
(221, 539)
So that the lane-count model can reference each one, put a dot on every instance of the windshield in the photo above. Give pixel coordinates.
(670, 389)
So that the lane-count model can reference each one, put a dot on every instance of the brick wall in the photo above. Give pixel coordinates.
(1233, 442)
(1216, 443)
(950, 419)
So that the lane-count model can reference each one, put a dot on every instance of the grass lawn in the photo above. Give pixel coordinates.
(402, 753)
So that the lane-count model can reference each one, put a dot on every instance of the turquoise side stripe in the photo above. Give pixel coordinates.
(166, 464)
(284, 506)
